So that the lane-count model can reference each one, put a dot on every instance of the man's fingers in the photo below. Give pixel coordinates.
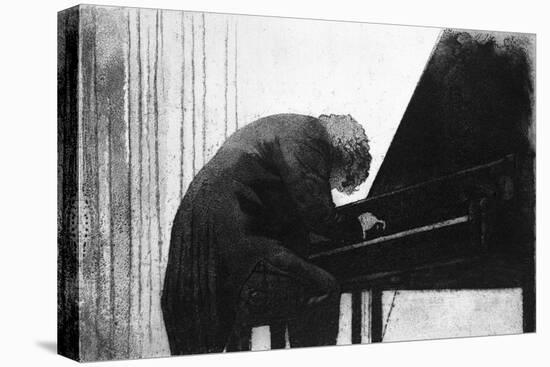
(369, 221)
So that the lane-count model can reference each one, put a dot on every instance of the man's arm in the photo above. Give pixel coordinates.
(304, 165)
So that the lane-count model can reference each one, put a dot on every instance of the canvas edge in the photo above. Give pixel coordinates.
(68, 266)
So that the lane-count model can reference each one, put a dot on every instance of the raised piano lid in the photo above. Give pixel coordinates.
(472, 105)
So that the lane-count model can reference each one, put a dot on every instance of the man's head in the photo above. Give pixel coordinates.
(351, 157)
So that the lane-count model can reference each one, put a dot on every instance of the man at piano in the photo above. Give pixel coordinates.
(240, 238)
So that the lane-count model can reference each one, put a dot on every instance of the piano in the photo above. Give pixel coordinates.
(456, 188)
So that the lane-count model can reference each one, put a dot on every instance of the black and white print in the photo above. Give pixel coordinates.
(234, 182)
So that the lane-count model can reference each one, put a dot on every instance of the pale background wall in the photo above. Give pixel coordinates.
(315, 67)
(420, 315)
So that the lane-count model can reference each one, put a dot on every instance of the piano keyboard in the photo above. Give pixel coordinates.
(394, 236)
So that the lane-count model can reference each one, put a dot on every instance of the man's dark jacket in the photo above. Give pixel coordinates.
(266, 187)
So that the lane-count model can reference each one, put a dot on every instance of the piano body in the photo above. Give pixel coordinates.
(456, 187)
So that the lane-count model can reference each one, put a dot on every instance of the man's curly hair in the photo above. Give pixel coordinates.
(351, 156)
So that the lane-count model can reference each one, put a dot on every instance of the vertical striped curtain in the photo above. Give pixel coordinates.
(158, 96)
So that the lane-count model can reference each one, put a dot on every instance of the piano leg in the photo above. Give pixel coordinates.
(278, 331)
(317, 326)
(529, 298)
(376, 316)
(356, 316)
(239, 340)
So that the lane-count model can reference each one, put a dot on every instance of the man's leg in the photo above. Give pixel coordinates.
(317, 326)
(312, 292)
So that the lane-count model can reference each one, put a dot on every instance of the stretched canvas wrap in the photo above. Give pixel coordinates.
(234, 182)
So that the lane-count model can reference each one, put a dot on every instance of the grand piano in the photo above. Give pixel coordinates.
(456, 187)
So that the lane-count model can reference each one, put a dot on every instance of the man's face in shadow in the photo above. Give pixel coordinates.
(346, 182)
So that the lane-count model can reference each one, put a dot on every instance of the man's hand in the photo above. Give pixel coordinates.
(368, 221)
